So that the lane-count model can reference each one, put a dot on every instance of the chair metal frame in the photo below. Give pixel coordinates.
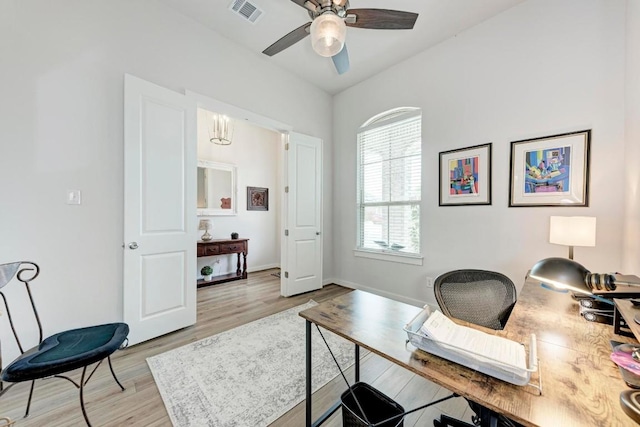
(27, 271)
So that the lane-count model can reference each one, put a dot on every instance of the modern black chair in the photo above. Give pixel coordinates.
(59, 353)
(481, 297)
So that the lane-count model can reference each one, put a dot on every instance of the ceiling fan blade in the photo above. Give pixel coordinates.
(290, 39)
(382, 19)
(341, 60)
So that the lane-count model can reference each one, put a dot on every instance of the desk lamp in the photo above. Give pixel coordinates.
(564, 274)
(572, 231)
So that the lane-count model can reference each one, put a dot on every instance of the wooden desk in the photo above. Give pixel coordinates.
(224, 247)
(581, 385)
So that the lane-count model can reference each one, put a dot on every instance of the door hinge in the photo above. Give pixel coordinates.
(286, 232)
(286, 189)
(286, 147)
(286, 274)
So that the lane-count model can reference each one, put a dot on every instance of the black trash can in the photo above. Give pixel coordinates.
(376, 406)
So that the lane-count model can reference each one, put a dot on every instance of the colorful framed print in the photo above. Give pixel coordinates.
(550, 171)
(257, 199)
(465, 176)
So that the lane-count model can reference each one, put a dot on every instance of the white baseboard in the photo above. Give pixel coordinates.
(263, 267)
(391, 295)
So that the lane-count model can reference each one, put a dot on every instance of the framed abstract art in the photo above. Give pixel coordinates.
(465, 176)
(550, 171)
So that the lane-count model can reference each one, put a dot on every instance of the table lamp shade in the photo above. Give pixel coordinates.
(205, 224)
(573, 230)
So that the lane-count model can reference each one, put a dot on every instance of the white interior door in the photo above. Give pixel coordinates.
(302, 244)
(160, 210)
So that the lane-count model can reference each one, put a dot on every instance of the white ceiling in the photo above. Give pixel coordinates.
(370, 51)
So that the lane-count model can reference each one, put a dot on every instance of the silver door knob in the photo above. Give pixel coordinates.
(133, 245)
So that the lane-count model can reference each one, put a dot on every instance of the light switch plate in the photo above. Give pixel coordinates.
(74, 197)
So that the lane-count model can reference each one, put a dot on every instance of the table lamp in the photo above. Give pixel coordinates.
(206, 225)
(572, 231)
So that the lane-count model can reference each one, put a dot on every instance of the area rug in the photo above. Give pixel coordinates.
(247, 376)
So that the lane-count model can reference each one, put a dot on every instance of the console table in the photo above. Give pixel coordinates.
(224, 247)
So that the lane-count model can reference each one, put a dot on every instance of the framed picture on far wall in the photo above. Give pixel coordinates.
(257, 199)
(550, 171)
(465, 176)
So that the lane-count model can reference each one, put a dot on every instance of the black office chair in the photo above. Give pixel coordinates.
(59, 353)
(484, 298)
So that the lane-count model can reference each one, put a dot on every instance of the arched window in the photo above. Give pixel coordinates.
(389, 182)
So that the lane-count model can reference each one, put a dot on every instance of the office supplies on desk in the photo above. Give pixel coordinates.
(626, 361)
(630, 402)
(492, 355)
(597, 315)
(631, 379)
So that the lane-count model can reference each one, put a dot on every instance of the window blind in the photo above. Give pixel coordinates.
(389, 184)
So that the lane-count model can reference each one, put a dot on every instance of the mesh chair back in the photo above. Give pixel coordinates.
(484, 298)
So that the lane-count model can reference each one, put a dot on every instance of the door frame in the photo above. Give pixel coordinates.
(211, 104)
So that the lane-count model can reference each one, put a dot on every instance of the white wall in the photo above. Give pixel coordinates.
(61, 127)
(541, 68)
(631, 252)
(256, 152)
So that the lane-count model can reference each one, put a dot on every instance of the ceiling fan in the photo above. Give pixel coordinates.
(329, 19)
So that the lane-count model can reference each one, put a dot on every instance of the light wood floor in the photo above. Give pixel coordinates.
(220, 307)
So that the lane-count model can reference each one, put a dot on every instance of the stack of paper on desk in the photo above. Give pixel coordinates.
(493, 350)
(498, 357)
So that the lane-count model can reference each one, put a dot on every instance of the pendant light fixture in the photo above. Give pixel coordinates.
(221, 129)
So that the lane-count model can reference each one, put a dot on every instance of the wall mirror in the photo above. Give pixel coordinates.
(217, 193)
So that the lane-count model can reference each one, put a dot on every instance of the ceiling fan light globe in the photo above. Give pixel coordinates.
(328, 32)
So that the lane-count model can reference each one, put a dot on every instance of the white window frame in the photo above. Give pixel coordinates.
(386, 118)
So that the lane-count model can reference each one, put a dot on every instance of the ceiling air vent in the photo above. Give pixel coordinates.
(246, 10)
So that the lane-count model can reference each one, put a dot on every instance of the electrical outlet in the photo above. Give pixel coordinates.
(430, 282)
(74, 197)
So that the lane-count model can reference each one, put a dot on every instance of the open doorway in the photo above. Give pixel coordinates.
(252, 208)
(298, 201)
